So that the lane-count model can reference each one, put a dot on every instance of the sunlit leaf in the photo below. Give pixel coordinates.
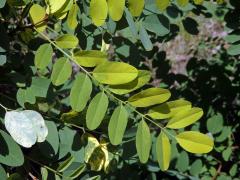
(26, 127)
(67, 41)
(96, 110)
(142, 79)
(117, 125)
(115, 73)
(149, 97)
(98, 11)
(162, 4)
(54, 5)
(62, 13)
(80, 92)
(43, 56)
(185, 118)
(195, 142)
(169, 109)
(143, 141)
(90, 58)
(72, 16)
(62, 70)
(198, 2)
(136, 7)
(182, 2)
(163, 151)
(90, 143)
(116, 9)
(37, 15)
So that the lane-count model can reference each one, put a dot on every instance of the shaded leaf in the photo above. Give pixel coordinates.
(62, 70)
(215, 123)
(182, 162)
(96, 110)
(80, 92)
(43, 56)
(117, 125)
(145, 39)
(50, 146)
(11, 154)
(65, 164)
(196, 167)
(143, 141)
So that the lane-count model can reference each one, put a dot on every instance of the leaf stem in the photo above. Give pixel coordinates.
(45, 166)
(5, 108)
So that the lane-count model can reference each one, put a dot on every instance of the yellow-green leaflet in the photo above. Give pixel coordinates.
(163, 151)
(43, 56)
(136, 7)
(115, 73)
(149, 97)
(37, 14)
(90, 144)
(117, 125)
(54, 5)
(98, 11)
(162, 4)
(97, 159)
(185, 118)
(62, 13)
(195, 142)
(62, 70)
(77, 172)
(93, 154)
(80, 92)
(96, 110)
(142, 79)
(65, 164)
(168, 109)
(115, 9)
(67, 41)
(90, 58)
(198, 2)
(72, 16)
(143, 141)
(182, 2)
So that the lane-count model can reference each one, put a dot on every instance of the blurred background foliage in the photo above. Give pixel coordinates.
(193, 50)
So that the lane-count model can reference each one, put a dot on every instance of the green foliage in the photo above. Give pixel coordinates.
(91, 69)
